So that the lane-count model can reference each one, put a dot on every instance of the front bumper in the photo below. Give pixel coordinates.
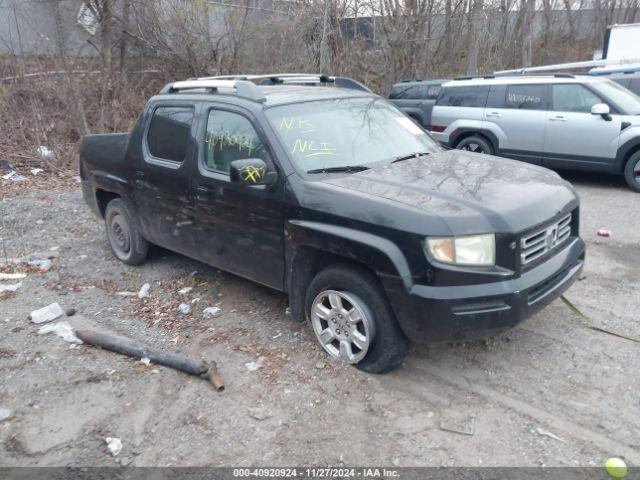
(458, 313)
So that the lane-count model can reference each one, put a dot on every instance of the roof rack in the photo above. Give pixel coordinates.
(474, 77)
(243, 88)
(295, 78)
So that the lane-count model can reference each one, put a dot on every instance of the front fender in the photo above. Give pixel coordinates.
(378, 253)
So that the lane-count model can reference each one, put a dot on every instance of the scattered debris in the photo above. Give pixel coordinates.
(185, 290)
(259, 413)
(206, 370)
(184, 308)
(46, 314)
(210, 311)
(253, 366)
(36, 171)
(45, 152)
(12, 276)
(320, 365)
(10, 288)
(4, 414)
(43, 265)
(603, 233)
(63, 330)
(70, 312)
(15, 176)
(146, 361)
(144, 291)
(458, 421)
(114, 445)
(547, 433)
(126, 294)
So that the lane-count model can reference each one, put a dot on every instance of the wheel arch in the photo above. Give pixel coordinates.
(460, 134)
(312, 246)
(625, 152)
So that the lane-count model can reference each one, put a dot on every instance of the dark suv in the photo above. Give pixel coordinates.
(376, 234)
(416, 98)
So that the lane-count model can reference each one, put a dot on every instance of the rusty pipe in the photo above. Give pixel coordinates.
(208, 371)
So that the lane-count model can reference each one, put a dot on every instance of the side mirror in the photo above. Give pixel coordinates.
(252, 171)
(601, 109)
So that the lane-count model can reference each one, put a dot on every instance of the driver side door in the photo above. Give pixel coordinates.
(240, 227)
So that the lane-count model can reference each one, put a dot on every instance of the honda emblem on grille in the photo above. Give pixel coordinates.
(552, 237)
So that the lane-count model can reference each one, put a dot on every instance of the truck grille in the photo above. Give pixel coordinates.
(537, 244)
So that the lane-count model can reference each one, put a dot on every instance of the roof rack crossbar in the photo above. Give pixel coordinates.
(243, 88)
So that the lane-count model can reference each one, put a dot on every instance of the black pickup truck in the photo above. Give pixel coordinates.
(378, 236)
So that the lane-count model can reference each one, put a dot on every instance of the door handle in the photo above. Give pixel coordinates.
(493, 114)
(203, 193)
(558, 118)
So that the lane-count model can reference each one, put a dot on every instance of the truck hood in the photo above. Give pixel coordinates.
(469, 192)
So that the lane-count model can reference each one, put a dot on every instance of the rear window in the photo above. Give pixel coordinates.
(473, 96)
(526, 97)
(169, 133)
(415, 91)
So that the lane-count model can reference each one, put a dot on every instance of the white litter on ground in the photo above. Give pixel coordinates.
(146, 361)
(253, 366)
(10, 288)
(63, 330)
(45, 152)
(35, 171)
(4, 414)
(144, 291)
(185, 290)
(114, 445)
(46, 314)
(12, 276)
(184, 308)
(209, 311)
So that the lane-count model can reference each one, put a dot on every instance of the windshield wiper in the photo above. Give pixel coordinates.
(345, 168)
(407, 157)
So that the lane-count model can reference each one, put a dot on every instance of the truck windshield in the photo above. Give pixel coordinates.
(347, 132)
(625, 99)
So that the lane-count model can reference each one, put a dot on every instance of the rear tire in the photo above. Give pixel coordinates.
(124, 237)
(632, 172)
(363, 312)
(476, 144)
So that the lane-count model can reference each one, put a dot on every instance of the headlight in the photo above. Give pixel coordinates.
(466, 250)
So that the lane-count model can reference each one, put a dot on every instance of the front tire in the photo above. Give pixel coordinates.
(475, 143)
(353, 320)
(124, 237)
(632, 172)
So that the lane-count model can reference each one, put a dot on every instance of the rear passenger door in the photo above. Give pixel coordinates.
(458, 107)
(574, 137)
(240, 227)
(519, 113)
(162, 178)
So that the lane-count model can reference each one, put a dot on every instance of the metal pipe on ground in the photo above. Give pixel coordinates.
(206, 370)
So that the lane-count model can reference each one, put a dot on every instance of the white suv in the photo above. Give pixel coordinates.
(559, 121)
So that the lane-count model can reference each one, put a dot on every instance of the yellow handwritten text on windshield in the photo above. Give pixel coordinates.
(311, 148)
(302, 125)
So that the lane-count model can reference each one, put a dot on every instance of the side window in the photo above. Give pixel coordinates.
(635, 86)
(571, 97)
(229, 137)
(169, 132)
(432, 91)
(474, 96)
(404, 92)
(526, 97)
(497, 96)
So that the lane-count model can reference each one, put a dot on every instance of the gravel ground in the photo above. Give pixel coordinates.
(550, 392)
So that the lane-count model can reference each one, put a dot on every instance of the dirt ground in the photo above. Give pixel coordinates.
(550, 392)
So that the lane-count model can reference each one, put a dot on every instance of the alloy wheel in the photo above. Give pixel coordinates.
(343, 325)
